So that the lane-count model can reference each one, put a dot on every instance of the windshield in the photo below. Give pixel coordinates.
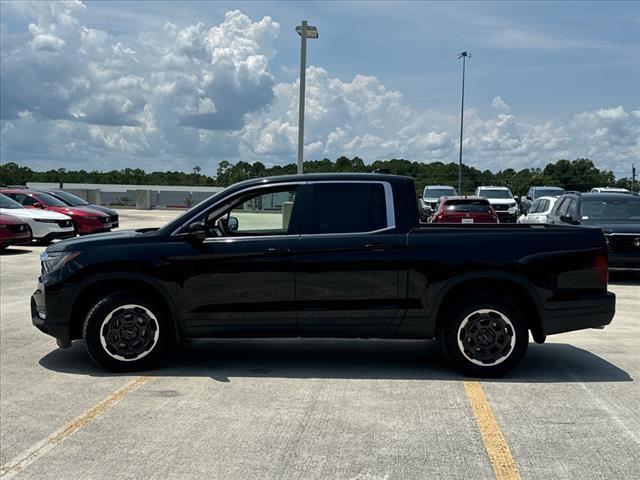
(467, 206)
(174, 222)
(438, 192)
(547, 192)
(495, 193)
(6, 202)
(611, 209)
(50, 200)
(70, 198)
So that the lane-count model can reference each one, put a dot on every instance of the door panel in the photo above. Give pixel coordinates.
(347, 285)
(239, 286)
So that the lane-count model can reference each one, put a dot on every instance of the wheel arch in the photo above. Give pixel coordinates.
(99, 285)
(495, 283)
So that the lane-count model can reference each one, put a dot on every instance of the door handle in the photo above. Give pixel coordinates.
(277, 251)
(376, 247)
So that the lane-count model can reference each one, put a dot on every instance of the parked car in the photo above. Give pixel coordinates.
(12, 231)
(536, 192)
(539, 211)
(617, 214)
(431, 196)
(350, 259)
(44, 225)
(611, 190)
(464, 209)
(85, 220)
(502, 201)
(75, 201)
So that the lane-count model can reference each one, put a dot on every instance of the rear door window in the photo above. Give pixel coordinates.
(348, 207)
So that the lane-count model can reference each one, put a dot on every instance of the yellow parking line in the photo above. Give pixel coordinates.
(36, 451)
(504, 467)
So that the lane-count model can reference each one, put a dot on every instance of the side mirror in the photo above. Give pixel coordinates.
(233, 224)
(568, 219)
(198, 230)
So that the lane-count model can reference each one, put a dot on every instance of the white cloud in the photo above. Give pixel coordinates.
(499, 104)
(76, 96)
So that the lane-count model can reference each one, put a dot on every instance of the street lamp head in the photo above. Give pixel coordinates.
(464, 54)
(309, 30)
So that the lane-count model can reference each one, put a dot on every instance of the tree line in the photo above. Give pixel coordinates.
(580, 174)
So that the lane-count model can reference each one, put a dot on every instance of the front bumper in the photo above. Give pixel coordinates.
(84, 229)
(16, 239)
(627, 261)
(57, 235)
(42, 319)
(580, 314)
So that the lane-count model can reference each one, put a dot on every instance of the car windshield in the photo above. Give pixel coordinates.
(611, 210)
(50, 200)
(70, 198)
(495, 193)
(438, 192)
(466, 206)
(6, 202)
(547, 192)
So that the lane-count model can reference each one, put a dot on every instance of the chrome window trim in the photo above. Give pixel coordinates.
(389, 202)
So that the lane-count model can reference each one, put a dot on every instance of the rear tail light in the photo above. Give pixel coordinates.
(601, 269)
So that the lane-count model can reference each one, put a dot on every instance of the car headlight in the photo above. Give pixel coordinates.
(54, 260)
(46, 220)
(92, 218)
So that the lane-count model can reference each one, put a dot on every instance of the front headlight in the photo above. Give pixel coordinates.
(45, 220)
(54, 260)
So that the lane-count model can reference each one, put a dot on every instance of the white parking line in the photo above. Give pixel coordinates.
(30, 455)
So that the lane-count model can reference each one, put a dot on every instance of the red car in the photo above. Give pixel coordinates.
(85, 220)
(13, 230)
(463, 209)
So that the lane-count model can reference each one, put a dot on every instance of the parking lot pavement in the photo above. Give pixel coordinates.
(313, 408)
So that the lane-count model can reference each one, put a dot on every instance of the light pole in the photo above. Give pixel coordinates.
(462, 56)
(305, 31)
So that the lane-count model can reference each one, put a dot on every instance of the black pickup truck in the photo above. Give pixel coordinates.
(323, 255)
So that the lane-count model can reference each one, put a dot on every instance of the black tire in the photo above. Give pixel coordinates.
(485, 336)
(114, 332)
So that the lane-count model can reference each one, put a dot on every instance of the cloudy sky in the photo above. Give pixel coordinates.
(171, 85)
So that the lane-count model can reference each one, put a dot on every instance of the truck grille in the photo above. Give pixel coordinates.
(499, 208)
(624, 243)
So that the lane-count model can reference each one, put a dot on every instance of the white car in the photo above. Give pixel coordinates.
(539, 211)
(502, 201)
(44, 224)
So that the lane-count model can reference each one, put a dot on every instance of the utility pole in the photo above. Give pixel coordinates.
(305, 31)
(633, 177)
(463, 56)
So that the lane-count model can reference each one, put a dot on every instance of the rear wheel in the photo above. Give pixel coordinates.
(485, 336)
(126, 332)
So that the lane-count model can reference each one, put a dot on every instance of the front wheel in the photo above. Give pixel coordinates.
(126, 332)
(485, 336)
